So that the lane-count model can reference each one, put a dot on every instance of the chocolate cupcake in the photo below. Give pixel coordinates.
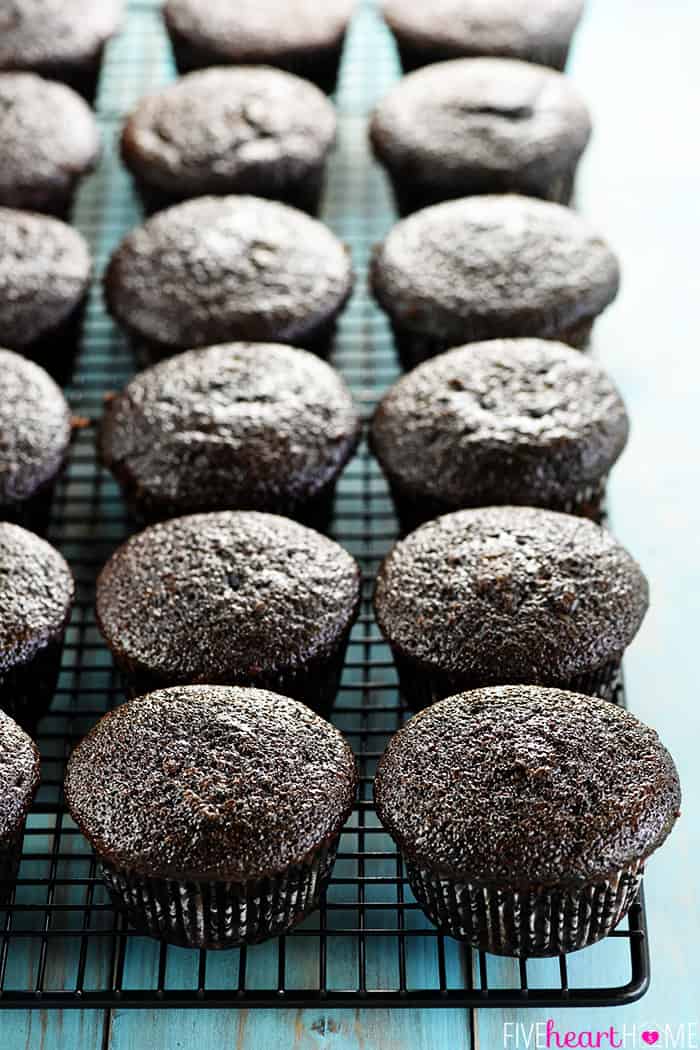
(59, 39)
(495, 267)
(215, 812)
(508, 595)
(539, 32)
(45, 271)
(50, 142)
(234, 598)
(525, 816)
(302, 37)
(36, 597)
(520, 421)
(222, 268)
(19, 782)
(252, 130)
(480, 125)
(235, 427)
(35, 433)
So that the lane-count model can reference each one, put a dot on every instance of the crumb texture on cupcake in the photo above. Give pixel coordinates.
(220, 268)
(19, 777)
(50, 140)
(233, 130)
(36, 595)
(35, 429)
(493, 267)
(481, 125)
(55, 36)
(209, 782)
(524, 785)
(510, 594)
(45, 270)
(522, 421)
(250, 426)
(211, 597)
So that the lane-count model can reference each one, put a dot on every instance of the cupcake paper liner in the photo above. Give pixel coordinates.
(421, 687)
(413, 509)
(10, 856)
(212, 914)
(414, 56)
(305, 194)
(411, 196)
(26, 691)
(535, 921)
(315, 684)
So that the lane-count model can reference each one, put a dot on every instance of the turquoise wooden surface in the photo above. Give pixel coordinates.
(637, 65)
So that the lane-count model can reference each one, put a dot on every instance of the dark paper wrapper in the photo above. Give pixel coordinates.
(413, 509)
(26, 691)
(536, 921)
(10, 855)
(411, 196)
(421, 687)
(414, 55)
(306, 194)
(315, 684)
(222, 914)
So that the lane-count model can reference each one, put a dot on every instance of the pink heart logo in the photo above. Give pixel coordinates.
(650, 1038)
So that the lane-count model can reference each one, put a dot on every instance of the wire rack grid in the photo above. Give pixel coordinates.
(61, 943)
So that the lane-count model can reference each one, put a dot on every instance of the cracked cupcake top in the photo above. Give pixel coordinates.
(221, 268)
(519, 784)
(210, 782)
(218, 127)
(236, 594)
(510, 594)
(511, 421)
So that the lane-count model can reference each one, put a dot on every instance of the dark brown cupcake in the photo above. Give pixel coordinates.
(35, 433)
(480, 125)
(507, 595)
(521, 421)
(45, 271)
(495, 267)
(243, 426)
(525, 816)
(59, 39)
(36, 597)
(217, 269)
(235, 598)
(19, 782)
(302, 37)
(536, 32)
(50, 142)
(251, 130)
(215, 812)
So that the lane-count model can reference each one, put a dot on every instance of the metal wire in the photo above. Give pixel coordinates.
(61, 943)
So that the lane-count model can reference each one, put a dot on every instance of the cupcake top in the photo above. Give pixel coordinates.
(484, 116)
(219, 126)
(219, 268)
(45, 271)
(511, 28)
(35, 428)
(258, 30)
(36, 595)
(50, 138)
(511, 594)
(504, 266)
(523, 418)
(42, 34)
(521, 783)
(211, 597)
(210, 782)
(239, 425)
(19, 775)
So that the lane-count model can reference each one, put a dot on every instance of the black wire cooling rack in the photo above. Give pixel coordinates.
(61, 942)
